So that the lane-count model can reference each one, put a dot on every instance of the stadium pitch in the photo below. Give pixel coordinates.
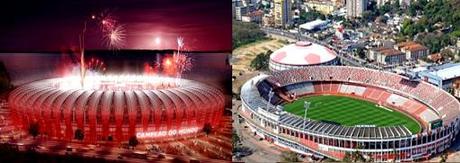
(349, 111)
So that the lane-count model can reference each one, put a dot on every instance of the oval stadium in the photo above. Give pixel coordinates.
(115, 108)
(332, 111)
(301, 54)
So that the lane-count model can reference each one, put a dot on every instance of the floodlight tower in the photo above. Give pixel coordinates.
(270, 95)
(306, 105)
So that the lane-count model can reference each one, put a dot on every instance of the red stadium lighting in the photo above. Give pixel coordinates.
(168, 62)
(116, 106)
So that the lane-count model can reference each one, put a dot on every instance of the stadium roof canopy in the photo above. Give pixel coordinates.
(303, 53)
(446, 71)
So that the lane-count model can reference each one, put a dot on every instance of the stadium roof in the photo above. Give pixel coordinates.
(303, 53)
(447, 71)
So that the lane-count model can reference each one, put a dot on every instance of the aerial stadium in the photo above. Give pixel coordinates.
(117, 107)
(301, 54)
(332, 111)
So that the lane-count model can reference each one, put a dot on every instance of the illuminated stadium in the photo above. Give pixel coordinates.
(301, 54)
(117, 107)
(383, 115)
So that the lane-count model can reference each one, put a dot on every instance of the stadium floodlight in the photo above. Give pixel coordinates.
(306, 105)
(270, 95)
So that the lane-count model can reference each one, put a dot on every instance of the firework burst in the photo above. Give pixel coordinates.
(96, 65)
(183, 63)
(115, 38)
(107, 21)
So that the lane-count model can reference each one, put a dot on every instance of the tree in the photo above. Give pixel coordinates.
(34, 129)
(447, 54)
(347, 157)
(235, 140)
(289, 156)
(133, 142)
(207, 128)
(245, 33)
(79, 135)
(385, 8)
(261, 61)
(444, 156)
(360, 53)
(357, 156)
(310, 16)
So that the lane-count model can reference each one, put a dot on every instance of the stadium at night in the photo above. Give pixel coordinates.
(115, 81)
(329, 111)
(117, 107)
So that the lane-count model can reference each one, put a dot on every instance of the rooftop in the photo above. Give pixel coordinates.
(410, 46)
(391, 52)
(313, 24)
(446, 71)
(415, 47)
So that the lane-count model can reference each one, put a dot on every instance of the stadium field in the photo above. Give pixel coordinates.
(349, 111)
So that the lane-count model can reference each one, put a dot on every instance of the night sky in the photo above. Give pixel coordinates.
(33, 26)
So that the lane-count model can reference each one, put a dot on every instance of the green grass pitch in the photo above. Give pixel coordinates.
(348, 111)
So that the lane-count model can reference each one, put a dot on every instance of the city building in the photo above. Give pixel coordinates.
(414, 51)
(442, 76)
(355, 8)
(380, 3)
(456, 88)
(241, 11)
(436, 57)
(389, 56)
(325, 7)
(235, 3)
(313, 26)
(255, 17)
(268, 20)
(282, 12)
(338, 3)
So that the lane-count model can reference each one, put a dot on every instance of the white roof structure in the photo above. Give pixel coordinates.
(313, 24)
(303, 53)
(449, 72)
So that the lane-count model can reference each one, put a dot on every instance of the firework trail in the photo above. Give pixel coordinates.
(113, 35)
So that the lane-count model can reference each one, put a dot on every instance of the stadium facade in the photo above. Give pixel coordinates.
(151, 108)
(301, 54)
(434, 109)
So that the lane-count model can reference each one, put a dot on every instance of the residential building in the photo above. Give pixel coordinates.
(282, 13)
(456, 88)
(255, 17)
(414, 51)
(355, 8)
(268, 20)
(325, 7)
(390, 56)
